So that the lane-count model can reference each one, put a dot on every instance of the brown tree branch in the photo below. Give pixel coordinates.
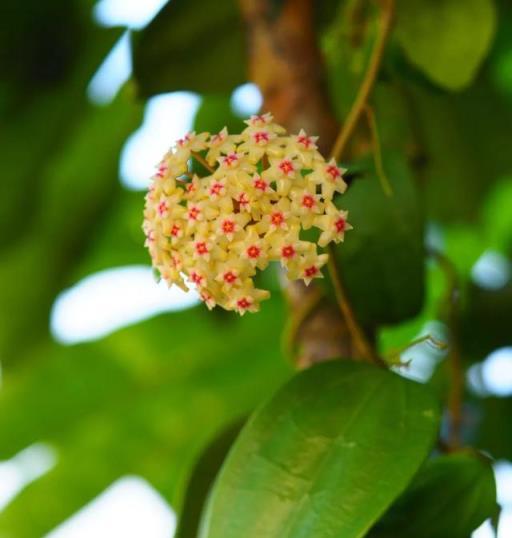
(286, 64)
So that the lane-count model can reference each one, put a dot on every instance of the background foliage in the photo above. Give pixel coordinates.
(147, 399)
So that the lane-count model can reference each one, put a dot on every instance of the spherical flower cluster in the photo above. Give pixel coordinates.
(259, 190)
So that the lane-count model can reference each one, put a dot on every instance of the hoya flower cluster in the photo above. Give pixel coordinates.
(259, 190)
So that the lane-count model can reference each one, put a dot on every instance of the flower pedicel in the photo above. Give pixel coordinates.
(215, 231)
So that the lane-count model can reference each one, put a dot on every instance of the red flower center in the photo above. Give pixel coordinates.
(162, 169)
(310, 271)
(258, 119)
(304, 140)
(286, 166)
(277, 219)
(340, 225)
(288, 251)
(162, 207)
(333, 171)
(243, 303)
(196, 277)
(230, 159)
(216, 189)
(193, 213)
(260, 136)
(229, 277)
(260, 184)
(175, 230)
(253, 251)
(242, 199)
(184, 140)
(308, 201)
(228, 226)
(201, 248)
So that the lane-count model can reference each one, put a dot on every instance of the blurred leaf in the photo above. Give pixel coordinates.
(493, 432)
(458, 158)
(142, 401)
(451, 496)
(306, 464)
(497, 216)
(39, 132)
(198, 46)
(485, 321)
(45, 49)
(80, 183)
(382, 259)
(121, 240)
(443, 39)
(190, 45)
(215, 113)
(201, 479)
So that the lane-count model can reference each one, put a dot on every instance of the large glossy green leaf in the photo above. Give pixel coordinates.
(444, 39)
(325, 457)
(451, 496)
(201, 479)
(382, 258)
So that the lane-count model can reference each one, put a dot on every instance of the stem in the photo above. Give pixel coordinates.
(457, 375)
(199, 158)
(362, 346)
(427, 338)
(377, 151)
(297, 317)
(385, 23)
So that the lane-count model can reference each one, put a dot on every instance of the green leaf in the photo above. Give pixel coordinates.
(215, 113)
(325, 457)
(202, 477)
(457, 158)
(382, 258)
(145, 400)
(485, 321)
(451, 496)
(493, 433)
(40, 131)
(191, 45)
(447, 40)
(198, 46)
(80, 184)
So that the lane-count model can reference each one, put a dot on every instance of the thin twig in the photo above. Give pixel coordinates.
(199, 158)
(455, 396)
(426, 338)
(385, 24)
(377, 151)
(361, 344)
(297, 317)
(363, 348)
